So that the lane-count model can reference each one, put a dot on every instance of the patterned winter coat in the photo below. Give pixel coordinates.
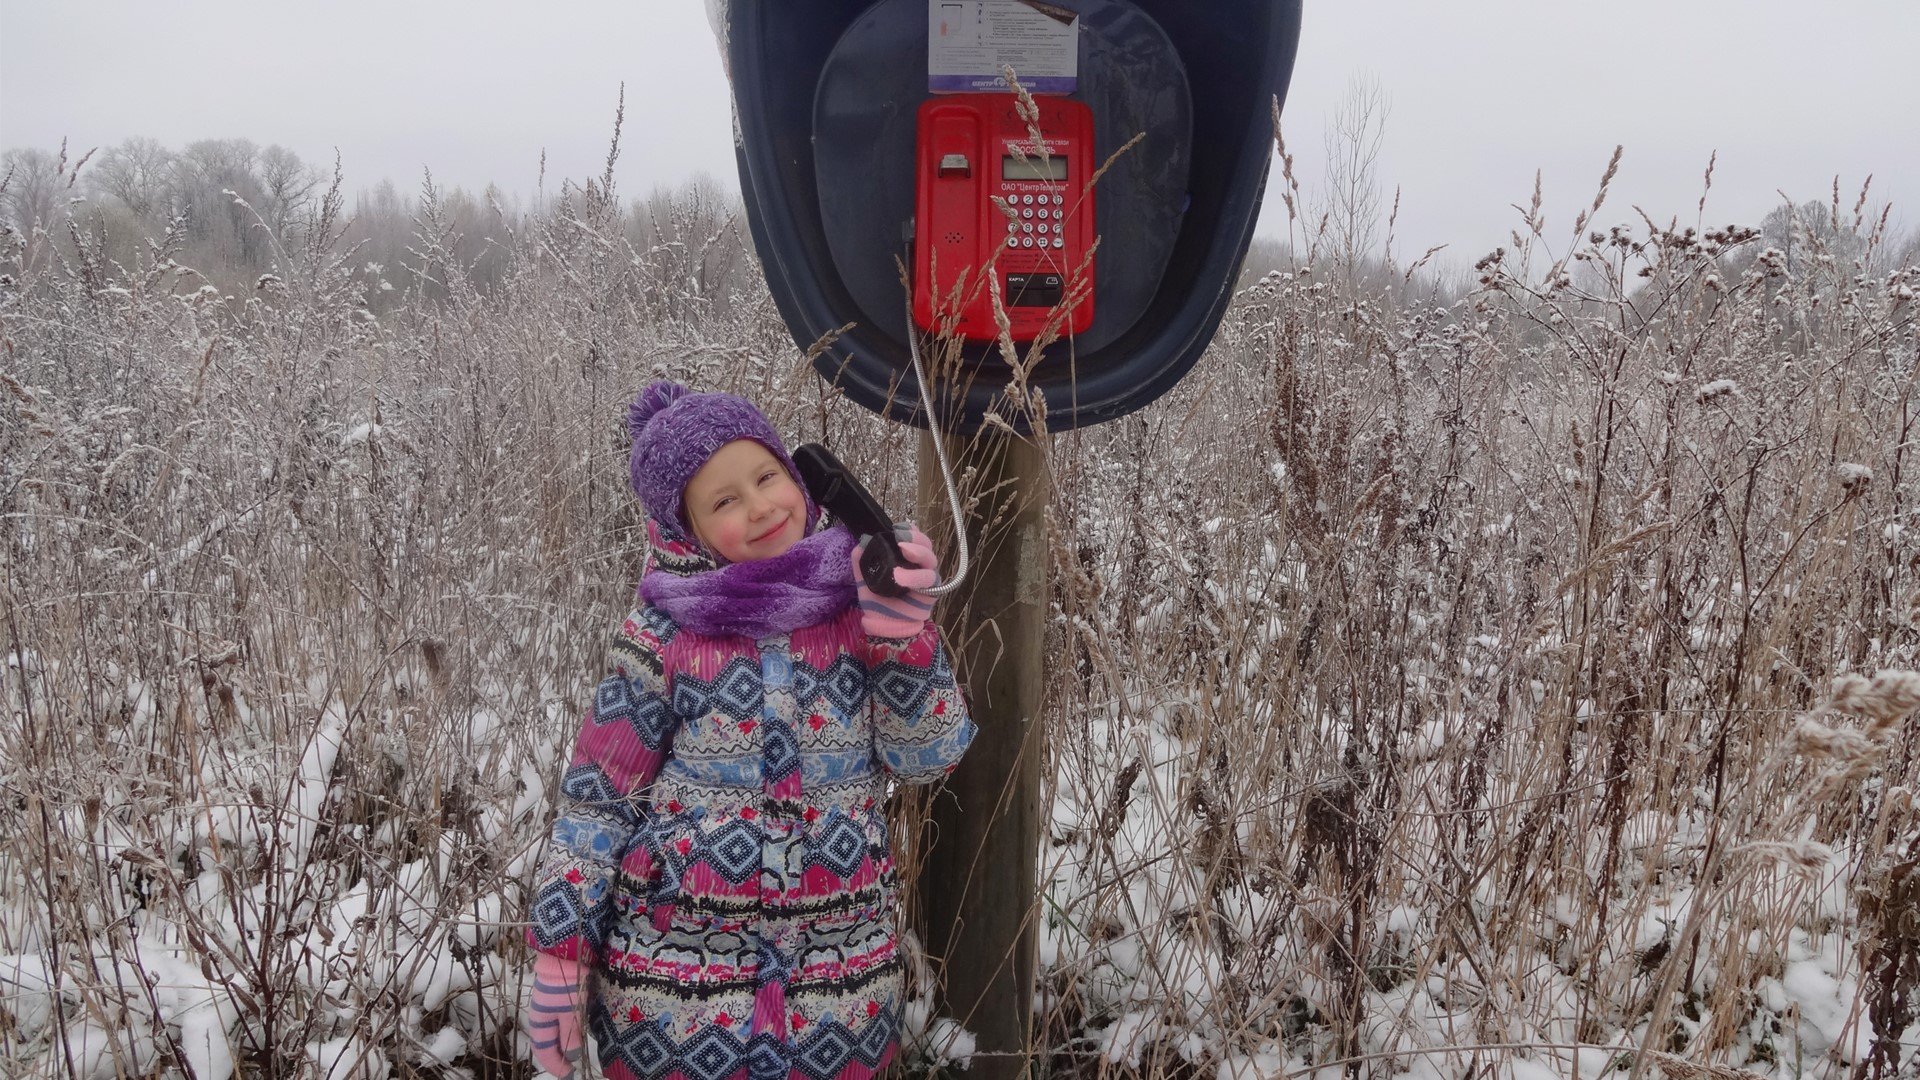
(741, 927)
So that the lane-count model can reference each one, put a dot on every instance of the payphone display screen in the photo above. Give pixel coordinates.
(1033, 168)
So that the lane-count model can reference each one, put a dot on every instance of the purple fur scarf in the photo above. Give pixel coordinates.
(808, 584)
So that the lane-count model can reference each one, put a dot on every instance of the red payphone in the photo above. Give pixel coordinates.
(976, 156)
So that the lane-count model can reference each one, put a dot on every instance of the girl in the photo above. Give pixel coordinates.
(720, 860)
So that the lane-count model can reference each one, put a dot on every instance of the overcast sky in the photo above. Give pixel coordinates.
(1482, 93)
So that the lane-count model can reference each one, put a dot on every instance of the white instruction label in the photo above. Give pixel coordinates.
(971, 42)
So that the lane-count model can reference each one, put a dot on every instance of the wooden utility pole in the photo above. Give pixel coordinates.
(977, 880)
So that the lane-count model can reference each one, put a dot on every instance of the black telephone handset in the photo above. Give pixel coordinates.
(836, 490)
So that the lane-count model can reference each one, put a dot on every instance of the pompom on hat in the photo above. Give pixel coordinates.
(675, 431)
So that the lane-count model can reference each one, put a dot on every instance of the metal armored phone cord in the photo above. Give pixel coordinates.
(940, 454)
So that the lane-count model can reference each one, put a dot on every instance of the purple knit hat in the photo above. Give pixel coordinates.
(675, 431)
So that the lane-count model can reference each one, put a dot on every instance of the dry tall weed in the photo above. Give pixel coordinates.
(1443, 686)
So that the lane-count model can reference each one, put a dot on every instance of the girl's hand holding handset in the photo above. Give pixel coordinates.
(901, 617)
(553, 1020)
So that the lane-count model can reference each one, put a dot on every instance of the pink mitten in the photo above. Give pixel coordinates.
(886, 616)
(553, 1016)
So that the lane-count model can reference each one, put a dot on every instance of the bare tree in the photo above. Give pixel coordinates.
(204, 174)
(1353, 201)
(136, 172)
(34, 180)
(288, 185)
(33, 185)
(1810, 229)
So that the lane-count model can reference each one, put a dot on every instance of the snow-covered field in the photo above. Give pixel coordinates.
(1493, 686)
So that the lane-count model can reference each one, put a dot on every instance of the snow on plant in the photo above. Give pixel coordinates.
(1511, 680)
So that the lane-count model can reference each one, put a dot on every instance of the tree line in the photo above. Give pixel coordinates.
(230, 209)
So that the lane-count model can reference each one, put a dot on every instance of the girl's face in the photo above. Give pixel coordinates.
(744, 505)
